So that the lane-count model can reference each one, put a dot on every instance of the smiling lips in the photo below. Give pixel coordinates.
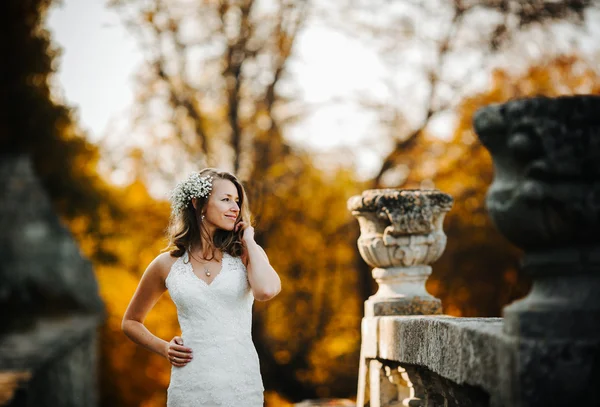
(232, 217)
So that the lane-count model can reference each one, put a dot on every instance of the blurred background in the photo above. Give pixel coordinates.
(309, 103)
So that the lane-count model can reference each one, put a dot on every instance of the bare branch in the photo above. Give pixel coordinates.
(434, 78)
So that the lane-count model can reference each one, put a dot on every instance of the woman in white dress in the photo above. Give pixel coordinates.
(213, 271)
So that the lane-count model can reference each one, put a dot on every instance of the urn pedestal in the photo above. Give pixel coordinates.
(401, 235)
(545, 198)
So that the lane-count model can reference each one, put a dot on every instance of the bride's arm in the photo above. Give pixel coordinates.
(264, 281)
(149, 290)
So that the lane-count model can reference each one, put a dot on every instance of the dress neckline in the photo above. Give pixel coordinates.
(189, 266)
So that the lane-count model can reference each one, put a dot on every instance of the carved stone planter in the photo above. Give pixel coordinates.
(545, 198)
(401, 235)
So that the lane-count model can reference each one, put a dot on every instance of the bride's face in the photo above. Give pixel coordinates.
(222, 208)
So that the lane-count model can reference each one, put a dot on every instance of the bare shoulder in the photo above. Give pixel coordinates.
(161, 265)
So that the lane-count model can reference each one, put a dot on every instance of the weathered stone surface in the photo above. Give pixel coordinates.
(479, 362)
(71, 381)
(553, 373)
(416, 208)
(59, 356)
(426, 305)
(401, 235)
(433, 390)
(545, 198)
(42, 268)
(49, 300)
(400, 227)
(546, 153)
(455, 348)
(546, 351)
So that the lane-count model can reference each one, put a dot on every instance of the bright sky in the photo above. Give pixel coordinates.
(100, 59)
(97, 64)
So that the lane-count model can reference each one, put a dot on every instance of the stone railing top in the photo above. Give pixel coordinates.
(23, 352)
(476, 352)
(33, 346)
(463, 350)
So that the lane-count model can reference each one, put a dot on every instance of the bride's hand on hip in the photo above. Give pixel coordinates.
(178, 354)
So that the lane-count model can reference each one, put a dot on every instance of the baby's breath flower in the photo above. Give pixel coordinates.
(194, 186)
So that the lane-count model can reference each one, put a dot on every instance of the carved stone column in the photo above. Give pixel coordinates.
(401, 235)
(545, 198)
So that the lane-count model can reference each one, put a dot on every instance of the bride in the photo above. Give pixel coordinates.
(213, 271)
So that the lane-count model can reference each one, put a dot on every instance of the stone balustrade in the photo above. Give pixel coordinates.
(545, 198)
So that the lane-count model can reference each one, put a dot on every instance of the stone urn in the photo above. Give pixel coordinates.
(545, 198)
(401, 235)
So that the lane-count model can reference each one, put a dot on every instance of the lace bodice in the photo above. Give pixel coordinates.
(216, 322)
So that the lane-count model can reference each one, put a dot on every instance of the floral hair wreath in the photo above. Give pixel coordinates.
(194, 186)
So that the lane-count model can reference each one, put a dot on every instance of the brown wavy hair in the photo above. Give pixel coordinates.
(186, 227)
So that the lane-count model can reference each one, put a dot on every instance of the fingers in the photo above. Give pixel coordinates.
(178, 354)
(180, 348)
(179, 358)
(179, 361)
(177, 344)
(175, 363)
(242, 225)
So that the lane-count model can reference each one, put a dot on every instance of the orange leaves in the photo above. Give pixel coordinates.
(477, 274)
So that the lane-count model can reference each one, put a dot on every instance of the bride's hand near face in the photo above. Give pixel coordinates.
(264, 281)
(247, 231)
(178, 354)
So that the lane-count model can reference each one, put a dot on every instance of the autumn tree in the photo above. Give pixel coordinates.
(35, 123)
(215, 92)
(478, 273)
(212, 89)
(437, 52)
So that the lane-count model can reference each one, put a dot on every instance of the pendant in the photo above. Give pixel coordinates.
(207, 272)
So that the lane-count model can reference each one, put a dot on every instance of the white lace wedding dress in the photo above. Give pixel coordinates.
(215, 321)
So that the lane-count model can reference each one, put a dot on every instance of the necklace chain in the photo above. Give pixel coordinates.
(206, 270)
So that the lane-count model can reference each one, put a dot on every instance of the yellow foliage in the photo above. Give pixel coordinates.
(313, 327)
(471, 278)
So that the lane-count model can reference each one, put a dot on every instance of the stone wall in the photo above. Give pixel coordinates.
(49, 298)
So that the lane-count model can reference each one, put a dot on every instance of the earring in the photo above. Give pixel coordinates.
(202, 217)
